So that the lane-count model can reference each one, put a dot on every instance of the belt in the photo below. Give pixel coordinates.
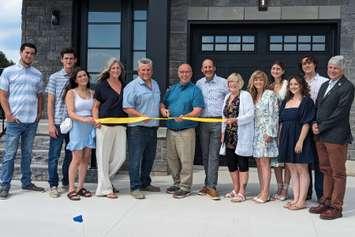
(179, 129)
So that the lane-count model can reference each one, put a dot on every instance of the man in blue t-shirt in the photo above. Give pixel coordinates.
(183, 99)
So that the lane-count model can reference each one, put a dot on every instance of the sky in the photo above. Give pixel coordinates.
(10, 28)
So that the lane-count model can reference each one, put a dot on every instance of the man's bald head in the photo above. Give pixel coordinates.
(184, 73)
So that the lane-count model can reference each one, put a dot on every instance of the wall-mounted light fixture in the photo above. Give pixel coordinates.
(55, 17)
(263, 4)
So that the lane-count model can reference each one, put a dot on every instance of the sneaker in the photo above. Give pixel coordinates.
(172, 189)
(181, 193)
(53, 192)
(64, 188)
(137, 194)
(213, 194)
(202, 191)
(4, 194)
(33, 187)
(150, 188)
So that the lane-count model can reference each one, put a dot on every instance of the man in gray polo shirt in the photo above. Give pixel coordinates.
(57, 112)
(214, 89)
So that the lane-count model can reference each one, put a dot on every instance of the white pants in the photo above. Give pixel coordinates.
(110, 155)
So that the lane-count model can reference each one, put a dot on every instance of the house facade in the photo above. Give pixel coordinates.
(241, 35)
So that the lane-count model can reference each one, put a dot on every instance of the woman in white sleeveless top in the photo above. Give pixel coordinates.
(279, 86)
(79, 102)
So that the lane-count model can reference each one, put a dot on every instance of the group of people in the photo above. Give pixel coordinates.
(294, 125)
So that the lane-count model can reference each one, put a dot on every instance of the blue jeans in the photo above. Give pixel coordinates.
(15, 131)
(142, 144)
(55, 146)
(210, 142)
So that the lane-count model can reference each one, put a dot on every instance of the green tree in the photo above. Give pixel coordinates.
(4, 62)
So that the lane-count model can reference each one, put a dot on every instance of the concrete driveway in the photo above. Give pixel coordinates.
(35, 214)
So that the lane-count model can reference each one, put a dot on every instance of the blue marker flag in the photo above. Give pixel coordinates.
(78, 218)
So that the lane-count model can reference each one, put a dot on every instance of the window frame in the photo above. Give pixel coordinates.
(228, 43)
(297, 43)
(81, 30)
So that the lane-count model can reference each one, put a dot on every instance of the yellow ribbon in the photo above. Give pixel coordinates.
(204, 120)
(141, 119)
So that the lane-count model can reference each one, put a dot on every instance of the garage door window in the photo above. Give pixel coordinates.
(297, 43)
(232, 43)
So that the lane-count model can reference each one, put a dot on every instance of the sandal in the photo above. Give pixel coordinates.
(296, 207)
(239, 198)
(261, 201)
(288, 204)
(73, 196)
(284, 193)
(112, 195)
(276, 196)
(84, 193)
(231, 194)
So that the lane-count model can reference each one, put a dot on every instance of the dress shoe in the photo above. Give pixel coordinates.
(212, 193)
(318, 209)
(202, 191)
(331, 214)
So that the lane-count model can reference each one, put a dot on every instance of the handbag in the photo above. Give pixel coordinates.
(222, 150)
(66, 125)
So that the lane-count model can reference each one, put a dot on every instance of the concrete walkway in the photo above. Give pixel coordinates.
(35, 214)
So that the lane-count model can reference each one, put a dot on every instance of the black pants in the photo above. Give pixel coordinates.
(236, 162)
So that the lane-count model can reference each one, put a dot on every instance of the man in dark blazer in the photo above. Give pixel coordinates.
(332, 127)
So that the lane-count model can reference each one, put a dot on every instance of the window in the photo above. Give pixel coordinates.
(139, 32)
(115, 29)
(232, 43)
(104, 34)
(297, 43)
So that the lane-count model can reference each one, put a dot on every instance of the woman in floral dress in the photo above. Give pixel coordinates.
(265, 130)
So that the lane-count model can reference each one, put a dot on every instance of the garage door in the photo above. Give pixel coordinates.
(245, 47)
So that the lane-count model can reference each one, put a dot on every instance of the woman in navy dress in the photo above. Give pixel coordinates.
(296, 150)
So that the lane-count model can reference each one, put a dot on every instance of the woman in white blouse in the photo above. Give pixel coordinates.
(237, 134)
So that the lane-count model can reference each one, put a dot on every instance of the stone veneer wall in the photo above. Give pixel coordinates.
(49, 39)
(184, 10)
